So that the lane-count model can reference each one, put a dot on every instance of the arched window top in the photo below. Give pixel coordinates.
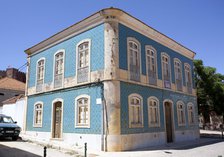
(135, 96)
(149, 47)
(57, 100)
(165, 57)
(133, 43)
(176, 60)
(40, 61)
(153, 98)
(187, 65)
(59, 54)
(180, 103)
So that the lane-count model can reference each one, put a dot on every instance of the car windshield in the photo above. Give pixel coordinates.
(6, 120)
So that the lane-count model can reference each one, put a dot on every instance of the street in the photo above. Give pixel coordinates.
(205, 147)
(20, 148)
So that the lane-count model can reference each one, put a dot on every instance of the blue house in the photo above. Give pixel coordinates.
(112, 81)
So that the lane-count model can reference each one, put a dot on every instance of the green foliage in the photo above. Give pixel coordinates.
(210, 89)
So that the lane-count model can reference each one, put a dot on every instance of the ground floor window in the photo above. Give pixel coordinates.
(135, 111)
(38, 112)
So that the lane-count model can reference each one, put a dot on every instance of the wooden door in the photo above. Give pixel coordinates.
(57, 120)
(169, 124)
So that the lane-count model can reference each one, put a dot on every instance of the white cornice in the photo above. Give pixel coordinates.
(111, 14)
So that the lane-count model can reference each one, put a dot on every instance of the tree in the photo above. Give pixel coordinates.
(210, 89)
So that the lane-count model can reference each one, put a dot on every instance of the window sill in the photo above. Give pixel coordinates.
(82, 126)
(136, 126)
(37, 126)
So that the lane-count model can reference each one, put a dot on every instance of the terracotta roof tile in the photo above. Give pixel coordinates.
(13, 99)
(13, 84)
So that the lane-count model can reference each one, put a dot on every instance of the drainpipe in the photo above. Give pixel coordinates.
(104, 125)
(102, 117)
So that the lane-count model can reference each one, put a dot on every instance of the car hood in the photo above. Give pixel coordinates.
(9, 125)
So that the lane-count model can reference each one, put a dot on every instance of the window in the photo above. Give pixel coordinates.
(180, 113)
(178, 74)
(134, 59)
(38, 114)
(188, 77)
(2, 94)
(151, 65)
(59, 69)
(153, 112)
(83, 111)
(83, 61)
(40, 75)
(135, 111)
(166, 70)
(190, 113)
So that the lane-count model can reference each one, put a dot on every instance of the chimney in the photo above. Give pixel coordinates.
(11, 72)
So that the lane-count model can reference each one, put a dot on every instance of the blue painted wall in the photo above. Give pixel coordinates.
(125, 32)
(146, 92)
(97, 55)
(68, 96)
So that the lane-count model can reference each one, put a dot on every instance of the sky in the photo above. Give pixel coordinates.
(196, 24)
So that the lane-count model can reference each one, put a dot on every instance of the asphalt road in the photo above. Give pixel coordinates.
(205, 147)
(20, 148)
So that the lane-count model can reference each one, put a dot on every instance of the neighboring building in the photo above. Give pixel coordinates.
(13, 73)
(15, 107)
(9, 88)
(144, 78)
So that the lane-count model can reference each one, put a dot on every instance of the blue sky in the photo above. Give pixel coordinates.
(196, 24)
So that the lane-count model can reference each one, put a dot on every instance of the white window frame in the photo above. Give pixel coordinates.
(176, 60)
(37, 67)
(36, 125)
(190, 122)
(157, 107)
(131, 39)
(78, 125)
(181, 120)
(137, 125)
(63, 73)
(77, 59)
(186, 76)
(169, 70)
(150, 48)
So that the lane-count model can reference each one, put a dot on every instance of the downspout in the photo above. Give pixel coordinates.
(102, 117)
(104, 121)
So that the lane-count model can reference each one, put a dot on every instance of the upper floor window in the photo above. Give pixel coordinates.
(178, 74)
(134, 59)
(38, 114)
(151, 65)
(190, 110)
(83, 111)
(83, 61)
(59, 69)
(40, 75)
(153, 112)
(188, 77)
(135, 111)
(166, 70)
(180, 113)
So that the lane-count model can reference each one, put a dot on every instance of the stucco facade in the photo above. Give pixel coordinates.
(113, 89)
